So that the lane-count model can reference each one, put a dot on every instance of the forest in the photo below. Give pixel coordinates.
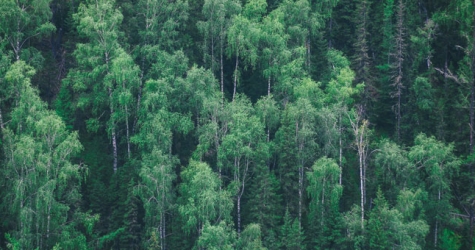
(237, 124)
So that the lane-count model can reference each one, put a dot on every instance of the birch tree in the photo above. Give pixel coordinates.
(106, 76)
(360, 128)
(325, 193)
(21, 21)
(203, 203)
(43, 182)
(437, 165)
(237, 152)
(218, 14)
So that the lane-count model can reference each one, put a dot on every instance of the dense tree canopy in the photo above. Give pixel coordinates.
(237, 124)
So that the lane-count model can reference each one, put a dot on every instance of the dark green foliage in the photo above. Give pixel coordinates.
(292, 236)
(232, 124)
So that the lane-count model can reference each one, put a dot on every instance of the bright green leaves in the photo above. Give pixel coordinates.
(155, 190)
(323, 185)
(161, 21)
(216, 237)
(340, 88)
(218, 14)
(250, 238)
(99, 21)
(429, 168)
(203, 201)
(394, 170)
(106, 78)
(325, 193)
(42, 181)
(423, 93)
(243, 39)
(436, 161)
(388, 227)
(255, 9)
(450, 240)
(241, 148)
(20, 21)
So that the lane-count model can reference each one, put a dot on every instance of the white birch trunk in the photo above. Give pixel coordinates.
(235, 74)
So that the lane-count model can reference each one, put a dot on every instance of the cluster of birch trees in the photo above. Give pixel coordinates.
(237, 124)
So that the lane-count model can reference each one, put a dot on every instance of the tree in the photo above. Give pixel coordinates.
(43, 181)
(218, 14)
(106, 77)
(202, 200)
(250, 238)
(399, 55)
(264, 204)
(362, 61)
(291, 233)
(21, 21)
(396, 227)
(437, 165)
(325, 193)
(155, 190)
(244, 35)
(360, 129)
(238, 150)
(161, 22)
(393, 169)
(303, 116)
(275, 52)
(214, 237)
(339, 97)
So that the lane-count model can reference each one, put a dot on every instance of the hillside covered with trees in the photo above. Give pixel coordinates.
(237, 124)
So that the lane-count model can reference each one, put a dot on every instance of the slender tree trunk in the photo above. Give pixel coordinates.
(16, 47)
(239, 215)
(2, 127)
(221, 64)
(38, 232)
(323, 202)
(307, 41)
(268, 86)
(212, 54)
(399, 64)
(139, 97)
(235, 75)
(127, 125)
(330, 45)
(361, 187)
(114, 137)
(360, 137)
(300, 194)
(341, 151)
(268, 134)
(111, 107)
(436, 229)
(162, 231)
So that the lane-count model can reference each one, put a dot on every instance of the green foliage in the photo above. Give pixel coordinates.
(394, 227)
(250, 238)
(147, 84)
(325, 193)
(43, 183)
(202, 199)
(292, 236)
(20, 21)
(216, 237)
(450, 240)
